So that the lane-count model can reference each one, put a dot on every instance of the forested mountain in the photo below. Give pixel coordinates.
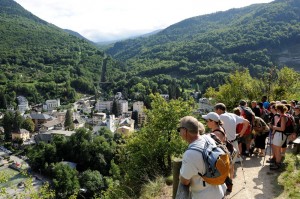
(206, 48)
(41, 61)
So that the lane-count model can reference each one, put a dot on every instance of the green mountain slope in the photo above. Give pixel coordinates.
(205, 48)
(41, 61)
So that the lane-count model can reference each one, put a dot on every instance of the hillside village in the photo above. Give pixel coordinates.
(49, 117)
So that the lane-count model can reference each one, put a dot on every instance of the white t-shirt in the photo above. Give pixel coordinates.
(192, 163)
(230, 121)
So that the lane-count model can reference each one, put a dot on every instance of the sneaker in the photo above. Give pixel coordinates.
(229, 188)
(229, 185)
(255, 151)
(247, 154)
(271, 160)
(275, 166)
(261, 155)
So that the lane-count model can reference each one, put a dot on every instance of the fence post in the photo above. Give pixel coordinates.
(176, 169)
(180, 191)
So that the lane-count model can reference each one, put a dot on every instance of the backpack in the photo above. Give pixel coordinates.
(216, 162)
(248, 114)
(289, 125)
(265, 116)
(227, 147)
(239, 128)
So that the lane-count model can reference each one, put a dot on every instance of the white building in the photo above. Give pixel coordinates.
(205, 106)
(103, 105)
(22, 104)
(112, 123)
(138, 106)
(123, 106)
(51, 104)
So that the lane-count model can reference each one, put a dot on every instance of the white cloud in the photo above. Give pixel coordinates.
(112, 19)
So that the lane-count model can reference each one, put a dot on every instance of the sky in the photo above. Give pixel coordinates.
(108, 20)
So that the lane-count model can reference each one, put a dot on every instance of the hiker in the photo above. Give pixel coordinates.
(264, 113)
(265, 102)
(279, 138)
(193, 163)
(230, 122)
(214, 123)
(274, 118)
(297, 121)
(246, 138)
(248, 114)
(255, 108)
(261, 130)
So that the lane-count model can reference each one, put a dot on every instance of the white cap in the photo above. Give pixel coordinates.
(211, 116)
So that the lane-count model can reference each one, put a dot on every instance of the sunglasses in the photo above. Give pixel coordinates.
(178, 129)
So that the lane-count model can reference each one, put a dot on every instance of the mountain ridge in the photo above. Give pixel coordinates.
(211, 28)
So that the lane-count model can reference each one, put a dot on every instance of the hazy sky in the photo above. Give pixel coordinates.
(104, 20)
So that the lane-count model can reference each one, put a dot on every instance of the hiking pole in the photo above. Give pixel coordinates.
(243, 172)
(268, 144)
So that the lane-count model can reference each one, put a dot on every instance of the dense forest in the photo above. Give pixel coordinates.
(41, 61)
(204, 49)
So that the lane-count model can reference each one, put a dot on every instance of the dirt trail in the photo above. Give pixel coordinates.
(253, 180)
(259, 183)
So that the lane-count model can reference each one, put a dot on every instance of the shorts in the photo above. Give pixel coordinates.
(246, 138)
(236, 147)
(278, 139)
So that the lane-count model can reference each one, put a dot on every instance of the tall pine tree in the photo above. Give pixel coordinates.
(69, 125)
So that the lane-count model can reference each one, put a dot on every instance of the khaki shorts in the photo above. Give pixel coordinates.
(236, 147)
(246, 138)
(278, 139)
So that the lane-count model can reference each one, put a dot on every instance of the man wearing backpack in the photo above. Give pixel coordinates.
(230, 122)
(193, 163)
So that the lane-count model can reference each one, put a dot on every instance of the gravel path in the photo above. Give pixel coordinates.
(253, 180)
(256, 181)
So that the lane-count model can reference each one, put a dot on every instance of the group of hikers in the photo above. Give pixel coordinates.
(244, 133)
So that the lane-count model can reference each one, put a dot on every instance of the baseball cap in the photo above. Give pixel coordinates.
(211, 116)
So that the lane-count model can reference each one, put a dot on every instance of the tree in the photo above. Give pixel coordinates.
(286, 85)
(149, 152)
(69, 125)
(3, 102)
(92, 181)
(115, 108)
(65, 180)
(28, 124)
(8, 124)
(240, 85)
(17, 122)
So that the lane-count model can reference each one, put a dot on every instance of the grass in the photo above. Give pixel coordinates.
(10, 177)
(290, 178)
(153, 189)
